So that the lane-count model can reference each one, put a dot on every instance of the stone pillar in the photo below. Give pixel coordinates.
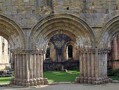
(41, 64)
(93, 67)
(28, 68)
(65, 53)
(75, 53)
(115, 53)
(52, 53)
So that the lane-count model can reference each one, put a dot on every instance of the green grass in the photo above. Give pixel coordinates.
(55, 76)
(5, 80)
(61, 76)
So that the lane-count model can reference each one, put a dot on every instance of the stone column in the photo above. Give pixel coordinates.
(93, 66)
(27, 71)
(52, 53)
(115, 53)
(65, 53)
(75, 53)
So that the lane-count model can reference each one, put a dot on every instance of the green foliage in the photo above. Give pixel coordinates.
(48, 53)
(112, 72)
(114, 77)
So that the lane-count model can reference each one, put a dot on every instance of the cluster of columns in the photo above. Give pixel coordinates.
(28, 68)
(93, 67)
(115, 53)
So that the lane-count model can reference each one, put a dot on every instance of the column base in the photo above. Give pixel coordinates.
(28, 83)
(92, 80)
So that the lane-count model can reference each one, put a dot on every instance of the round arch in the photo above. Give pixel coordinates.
(61, 23)
(12, 32)
(74, 46)
(109, 31)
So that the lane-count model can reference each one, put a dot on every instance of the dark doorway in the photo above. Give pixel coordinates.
(70, 51)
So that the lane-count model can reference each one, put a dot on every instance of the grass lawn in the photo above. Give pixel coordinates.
(5, 80)
(55, 76)
(61, 76)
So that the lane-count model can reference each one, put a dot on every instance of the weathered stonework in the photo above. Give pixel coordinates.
(28, 68)
(28, 26)
(93, 67)
(114, 58)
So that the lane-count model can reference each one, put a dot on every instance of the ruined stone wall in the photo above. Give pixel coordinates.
(21, 11)
(97, 11)
(28, 12)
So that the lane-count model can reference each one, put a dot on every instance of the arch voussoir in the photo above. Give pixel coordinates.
(110, 30)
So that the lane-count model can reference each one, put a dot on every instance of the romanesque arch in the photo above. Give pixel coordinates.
(92, 60)
(16, 39)
(74, 52)
(91, 68)
(80, 32)
(12, 32)
(70, 25)
(109, 31)
(109, 40)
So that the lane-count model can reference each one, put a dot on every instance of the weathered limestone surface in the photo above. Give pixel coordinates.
(28, 26)
(28, 68)
(114, 61)
(28, 12)
(93, 67)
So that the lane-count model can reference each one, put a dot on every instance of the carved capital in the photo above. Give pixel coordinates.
(21, 51)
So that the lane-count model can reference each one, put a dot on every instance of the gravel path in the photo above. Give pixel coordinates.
(110, 86)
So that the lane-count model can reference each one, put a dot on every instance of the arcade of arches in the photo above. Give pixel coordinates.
(61, 32)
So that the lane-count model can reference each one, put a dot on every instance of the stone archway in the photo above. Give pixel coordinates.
(12, 32)
(113, 60)
(109, 32)
(74, 52)
(91, 67)
(80, 32)
(16, 39)
(70, 25)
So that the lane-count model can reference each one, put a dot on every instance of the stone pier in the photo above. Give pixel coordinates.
(28, 68)
(93, 67)
(115, 53)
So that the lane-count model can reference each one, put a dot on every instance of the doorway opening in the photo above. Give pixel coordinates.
(59, 61)
(113, 58)
(70, 51)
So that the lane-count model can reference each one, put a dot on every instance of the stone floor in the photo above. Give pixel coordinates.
(110, 86)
